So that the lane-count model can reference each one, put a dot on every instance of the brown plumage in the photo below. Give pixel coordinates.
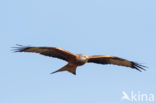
(75, 60)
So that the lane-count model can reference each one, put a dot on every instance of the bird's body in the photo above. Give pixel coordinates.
(81, 59)
(75, 60)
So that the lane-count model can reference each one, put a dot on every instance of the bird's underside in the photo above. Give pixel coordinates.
(75, 60)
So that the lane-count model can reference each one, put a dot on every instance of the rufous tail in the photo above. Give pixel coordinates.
(69, 67)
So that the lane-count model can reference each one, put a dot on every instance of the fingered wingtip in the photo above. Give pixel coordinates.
(138, 66)
(19, 48)
(19, 45)
(53, 72)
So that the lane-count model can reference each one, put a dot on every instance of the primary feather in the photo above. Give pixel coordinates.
(47, 51)
(106, 59)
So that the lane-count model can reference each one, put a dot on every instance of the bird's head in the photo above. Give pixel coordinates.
(83, 57)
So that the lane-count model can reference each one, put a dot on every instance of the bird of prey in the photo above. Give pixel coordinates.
(75, 60)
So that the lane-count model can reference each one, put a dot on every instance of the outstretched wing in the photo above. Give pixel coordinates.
(106, 59)
(47, 51)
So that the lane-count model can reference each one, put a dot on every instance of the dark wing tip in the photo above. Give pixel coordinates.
(20, 48)
(138, 66)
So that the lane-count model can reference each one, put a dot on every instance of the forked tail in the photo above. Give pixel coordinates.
(69, 67)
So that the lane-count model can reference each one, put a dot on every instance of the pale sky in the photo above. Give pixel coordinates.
(123, 28)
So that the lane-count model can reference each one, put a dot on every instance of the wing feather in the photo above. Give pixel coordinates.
(47, 51)
(106, 59)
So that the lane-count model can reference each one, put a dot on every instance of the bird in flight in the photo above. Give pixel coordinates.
(75, 60)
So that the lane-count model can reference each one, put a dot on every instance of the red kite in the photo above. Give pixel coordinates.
(75, 60)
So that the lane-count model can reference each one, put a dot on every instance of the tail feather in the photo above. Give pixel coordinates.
(70, 68)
